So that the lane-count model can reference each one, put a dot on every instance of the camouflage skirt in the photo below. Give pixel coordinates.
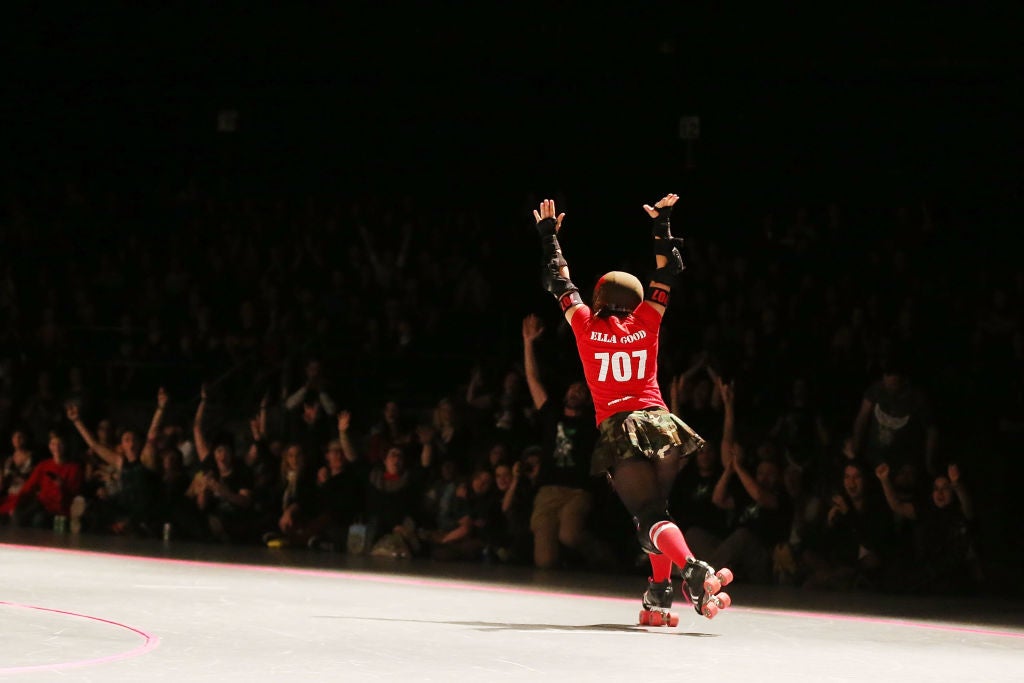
(653, 433)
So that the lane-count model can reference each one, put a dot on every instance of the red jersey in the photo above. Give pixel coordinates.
(620, 359)
(54, 485)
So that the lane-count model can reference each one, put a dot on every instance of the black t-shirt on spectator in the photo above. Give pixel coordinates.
(568, 446)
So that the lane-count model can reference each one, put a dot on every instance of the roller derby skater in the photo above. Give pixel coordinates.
(640, 441)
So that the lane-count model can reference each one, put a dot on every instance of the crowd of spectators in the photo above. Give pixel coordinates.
(371, 376)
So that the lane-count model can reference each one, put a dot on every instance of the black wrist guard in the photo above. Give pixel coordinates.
(660, 224)
(562, 288)
(672, 250)
(547, 227)
(667, 245)
(666, 275)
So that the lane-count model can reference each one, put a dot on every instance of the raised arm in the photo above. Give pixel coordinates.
(532, 329)
(966, 503)
(556, 269)
(729, 412)
(667, 258)
(759, 494)
(202, 445)
(901, 508)
(344, 438)
(109, 455)
(148, 455)
(720, 496)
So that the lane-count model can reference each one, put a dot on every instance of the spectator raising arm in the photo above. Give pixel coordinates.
(148, 455)
(202, 445)
(900, 507)
(107, 454)
(347, 447)
(532, 329)
(966, 502)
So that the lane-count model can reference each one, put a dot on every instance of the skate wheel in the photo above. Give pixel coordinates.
(712, 584)
(673, 620)
(645, 617)
(657, 619)
(711, 610)
(724, 600)
(724, 575)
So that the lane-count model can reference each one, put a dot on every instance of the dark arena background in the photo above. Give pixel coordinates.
(249, 250)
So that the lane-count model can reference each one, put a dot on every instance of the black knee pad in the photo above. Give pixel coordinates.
(646, 518)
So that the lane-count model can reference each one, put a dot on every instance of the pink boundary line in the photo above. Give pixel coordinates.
(150, 642)
(451, 583)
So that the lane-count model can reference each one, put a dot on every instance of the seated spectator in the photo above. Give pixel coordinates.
(50, 488)
(265, 468)
(473, 521)
(222, 497)
(762, 512)
(171, 506)
(310, 427)
(14, 471)
(340, 494)
(517, 505)
(945, 557)
(391, 505)
(507, 544)
(690, 500)
(438, 494)
(391, 431)
(127, 505)
(451, 441)
(806, 531)
(856, 538)
(296, 501)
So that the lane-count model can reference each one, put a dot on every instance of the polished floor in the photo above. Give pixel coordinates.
(97, 609)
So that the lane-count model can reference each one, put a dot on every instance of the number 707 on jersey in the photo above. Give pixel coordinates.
(621, 364)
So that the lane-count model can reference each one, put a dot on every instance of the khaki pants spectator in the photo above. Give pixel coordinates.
(559, 517)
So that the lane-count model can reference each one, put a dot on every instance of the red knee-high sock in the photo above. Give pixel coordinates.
(667, 538)
(661, 567)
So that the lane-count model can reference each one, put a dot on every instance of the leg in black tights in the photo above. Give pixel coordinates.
(642, 484)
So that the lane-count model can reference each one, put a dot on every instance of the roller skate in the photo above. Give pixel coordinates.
(657, 602)
(702, 584)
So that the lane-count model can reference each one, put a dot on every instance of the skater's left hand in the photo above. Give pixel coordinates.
(668, 201)
(547, 210)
